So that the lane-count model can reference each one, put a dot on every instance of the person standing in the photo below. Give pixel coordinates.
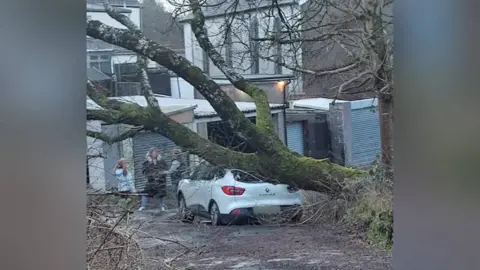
(154, 168)
(125, 184)
(177, 167)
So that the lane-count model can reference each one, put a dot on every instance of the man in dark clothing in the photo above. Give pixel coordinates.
(177, 168)
(154, 168)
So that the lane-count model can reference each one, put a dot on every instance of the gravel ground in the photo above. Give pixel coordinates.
(170, 244)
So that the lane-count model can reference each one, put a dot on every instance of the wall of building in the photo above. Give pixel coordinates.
(274, 93)
(181, 89)
(104, 18)
(135, 17)
(95, 165)
(241, 59)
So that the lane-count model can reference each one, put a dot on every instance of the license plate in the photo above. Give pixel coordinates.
(265, 210)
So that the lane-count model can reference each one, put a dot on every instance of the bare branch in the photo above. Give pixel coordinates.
(112, 140)
(112, 12)
(325, 72)
(354, 79)
(220, 101)
(141, 60)
(264, 118)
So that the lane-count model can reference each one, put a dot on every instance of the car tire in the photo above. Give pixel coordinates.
(185, 214)
(297, 217)
(215, 216)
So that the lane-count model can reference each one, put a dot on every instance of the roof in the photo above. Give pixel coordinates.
(203, 108)
(324, 103)
(168, 109)
(222, 7)
(127, 3)
(101, 8)
(96, 75)
(100, 45)
(258, 77)
(315, 103)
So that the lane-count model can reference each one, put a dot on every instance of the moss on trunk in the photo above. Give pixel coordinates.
(307, 173)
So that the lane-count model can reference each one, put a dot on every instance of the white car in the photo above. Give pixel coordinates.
(227, 195)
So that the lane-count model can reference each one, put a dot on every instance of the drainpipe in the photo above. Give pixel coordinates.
(285, 105)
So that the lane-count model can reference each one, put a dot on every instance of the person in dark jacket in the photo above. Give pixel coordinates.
(154, 168)
(177, 167)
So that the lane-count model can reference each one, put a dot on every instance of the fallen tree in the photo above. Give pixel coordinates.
(271, 159)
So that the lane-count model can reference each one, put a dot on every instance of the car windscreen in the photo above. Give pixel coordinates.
(244, 177)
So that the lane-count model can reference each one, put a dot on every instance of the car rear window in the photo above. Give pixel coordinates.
(244, 177)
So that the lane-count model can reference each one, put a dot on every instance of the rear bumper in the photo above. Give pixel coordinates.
(226, 207)
(245, 214)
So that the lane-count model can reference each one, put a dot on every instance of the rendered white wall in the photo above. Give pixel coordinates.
(181, 89)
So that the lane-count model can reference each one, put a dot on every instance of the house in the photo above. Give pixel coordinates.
(240, 47)
(242, 51)
(119, 63)
(323, 54)
(196, 114)
(354, 128)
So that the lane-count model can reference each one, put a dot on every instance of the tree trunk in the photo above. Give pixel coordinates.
(385, 110)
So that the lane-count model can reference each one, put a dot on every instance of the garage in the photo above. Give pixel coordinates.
(295, 138)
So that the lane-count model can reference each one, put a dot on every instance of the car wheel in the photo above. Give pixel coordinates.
(298, 216)
(185, 214)
(215, 217)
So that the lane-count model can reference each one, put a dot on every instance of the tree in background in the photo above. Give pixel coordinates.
(160, 25)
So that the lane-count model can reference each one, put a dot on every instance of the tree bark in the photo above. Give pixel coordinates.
(385, 110)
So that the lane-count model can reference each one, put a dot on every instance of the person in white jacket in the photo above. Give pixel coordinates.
(125, 184)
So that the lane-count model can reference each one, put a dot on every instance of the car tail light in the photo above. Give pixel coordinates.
(233, 191)
(292, 189)
(235, 212)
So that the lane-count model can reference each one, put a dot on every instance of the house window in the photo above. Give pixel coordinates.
(277, 27)
(206, 60)
(101, 62)
(228, 50)
(254, 52)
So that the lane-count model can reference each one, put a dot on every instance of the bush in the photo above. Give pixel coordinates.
(370, 208)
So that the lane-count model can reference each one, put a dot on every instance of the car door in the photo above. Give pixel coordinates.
(205, 188)
(197, 188)
(189, 188)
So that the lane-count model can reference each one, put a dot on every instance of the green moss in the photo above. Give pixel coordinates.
(132, 110)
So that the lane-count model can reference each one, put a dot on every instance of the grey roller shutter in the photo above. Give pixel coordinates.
(143, 142)
(295, 139)
(365, 136)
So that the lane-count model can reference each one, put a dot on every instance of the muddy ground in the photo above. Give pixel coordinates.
(171, 244)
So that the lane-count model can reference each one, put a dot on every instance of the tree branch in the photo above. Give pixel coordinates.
(200, 149)
(352, 80)
(178, 133)
(141, 60)
(220, 101)
(324, 72)
(119, 17)
(112, 140)
(263, 117)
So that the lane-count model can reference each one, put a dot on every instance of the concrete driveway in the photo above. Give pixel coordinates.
(170, 244)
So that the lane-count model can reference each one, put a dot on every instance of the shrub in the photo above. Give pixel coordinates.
(370, 208)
